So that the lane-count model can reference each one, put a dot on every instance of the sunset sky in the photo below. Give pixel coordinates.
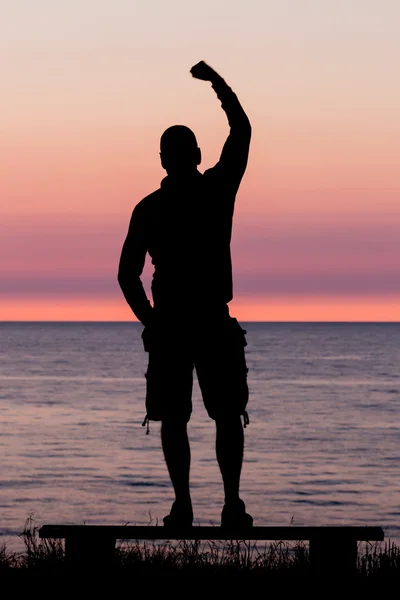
(88, 86)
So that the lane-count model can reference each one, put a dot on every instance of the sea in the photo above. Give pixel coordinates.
(322, 446)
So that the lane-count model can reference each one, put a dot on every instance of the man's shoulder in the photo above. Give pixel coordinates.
(211, 172)
(214, 175)
(147, 202)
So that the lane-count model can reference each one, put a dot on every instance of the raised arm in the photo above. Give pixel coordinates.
(234, 156)
(131, 265)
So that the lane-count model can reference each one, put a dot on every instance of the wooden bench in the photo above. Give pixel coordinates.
(331, 548)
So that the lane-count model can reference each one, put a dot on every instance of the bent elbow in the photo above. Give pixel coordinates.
(121, 278)
(244, 127)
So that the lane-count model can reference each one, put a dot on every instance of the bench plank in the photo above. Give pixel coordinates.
(93, 546)
(150, 532)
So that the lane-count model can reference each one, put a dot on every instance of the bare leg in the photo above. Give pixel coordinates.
(176, 449)
(229, 447)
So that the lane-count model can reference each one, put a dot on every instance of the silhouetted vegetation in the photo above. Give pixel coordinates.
(232, 559)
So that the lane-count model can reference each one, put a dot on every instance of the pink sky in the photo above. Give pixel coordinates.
(89, 88)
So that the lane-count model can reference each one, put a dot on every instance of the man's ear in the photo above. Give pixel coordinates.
(162, 161)
(198, 156)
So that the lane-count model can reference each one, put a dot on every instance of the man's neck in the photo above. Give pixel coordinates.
(180, 178)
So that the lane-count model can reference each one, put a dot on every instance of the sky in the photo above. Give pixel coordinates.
(88, 86)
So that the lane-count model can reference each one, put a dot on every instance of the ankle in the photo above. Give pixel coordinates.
(183, 500)
(232, 500)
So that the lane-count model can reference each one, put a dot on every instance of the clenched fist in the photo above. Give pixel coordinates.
(203, 71)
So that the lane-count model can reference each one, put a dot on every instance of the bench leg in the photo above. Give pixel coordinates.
(92, 552)
(333, 556)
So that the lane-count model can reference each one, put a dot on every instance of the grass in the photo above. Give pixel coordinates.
(232, 559)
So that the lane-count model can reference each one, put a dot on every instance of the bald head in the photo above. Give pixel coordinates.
(179, 151)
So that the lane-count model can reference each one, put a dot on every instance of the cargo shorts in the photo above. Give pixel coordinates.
(216, 350)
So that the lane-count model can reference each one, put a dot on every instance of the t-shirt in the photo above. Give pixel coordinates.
(186, 228)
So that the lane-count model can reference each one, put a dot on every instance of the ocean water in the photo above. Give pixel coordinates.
(322, 447)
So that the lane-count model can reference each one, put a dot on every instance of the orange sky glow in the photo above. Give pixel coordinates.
(90, 87)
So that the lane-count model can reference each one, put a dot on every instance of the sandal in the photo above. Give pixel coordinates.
(235, 515)
(180, 516)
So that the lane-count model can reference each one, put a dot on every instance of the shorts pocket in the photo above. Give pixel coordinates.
(147, 337)
(237, 333)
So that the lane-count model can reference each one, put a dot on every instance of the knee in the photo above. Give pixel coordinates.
(228, 422)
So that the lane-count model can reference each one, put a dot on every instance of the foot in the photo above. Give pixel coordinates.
(181, 515)
(234, 515)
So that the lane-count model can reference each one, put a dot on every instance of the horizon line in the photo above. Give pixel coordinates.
(2, 322)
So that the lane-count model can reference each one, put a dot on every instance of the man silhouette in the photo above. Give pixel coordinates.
(186, 226)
